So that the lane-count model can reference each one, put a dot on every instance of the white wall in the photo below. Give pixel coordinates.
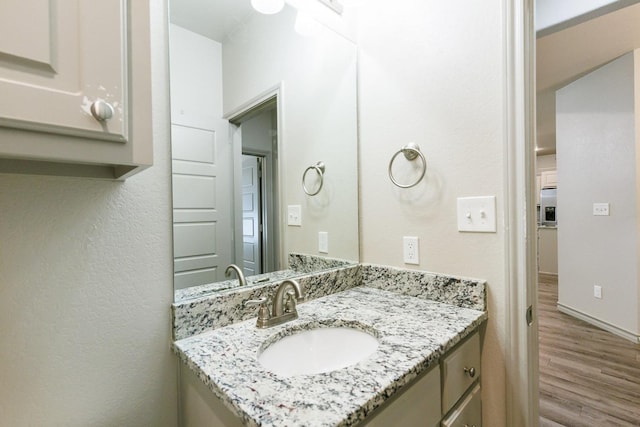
(597, 162)
(432, 72)
(318, 121)
(85, 292)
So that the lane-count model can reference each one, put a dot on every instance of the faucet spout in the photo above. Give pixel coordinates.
(241, 278)
(278, 300)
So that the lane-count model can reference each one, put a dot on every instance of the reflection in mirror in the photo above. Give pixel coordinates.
(253, 105)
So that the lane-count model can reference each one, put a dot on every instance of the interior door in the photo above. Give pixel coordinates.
(201, 217)
(251, 214)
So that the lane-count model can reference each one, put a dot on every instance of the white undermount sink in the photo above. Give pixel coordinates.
(317, 350)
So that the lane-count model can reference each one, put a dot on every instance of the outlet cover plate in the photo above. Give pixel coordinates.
(477, 214)
(411, 250)
(323, 242)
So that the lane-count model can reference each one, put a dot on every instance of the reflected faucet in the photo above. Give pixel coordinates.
(241, 279)
(283, 310)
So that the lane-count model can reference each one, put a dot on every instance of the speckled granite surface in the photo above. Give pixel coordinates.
(462, 292)
(205, 290)
(309, 263)
(299, 264)
(197, 315)
(413, 334)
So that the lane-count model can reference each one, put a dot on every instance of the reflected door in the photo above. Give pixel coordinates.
(252, 214)
(201, 217)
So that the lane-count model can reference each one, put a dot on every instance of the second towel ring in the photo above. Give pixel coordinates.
(319, 168)
(411, 151)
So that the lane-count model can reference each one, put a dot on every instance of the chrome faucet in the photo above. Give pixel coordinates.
(283, 309)
(241, 279)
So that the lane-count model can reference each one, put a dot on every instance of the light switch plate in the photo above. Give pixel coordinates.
(601, 209)
(477, 214)
(294, 215)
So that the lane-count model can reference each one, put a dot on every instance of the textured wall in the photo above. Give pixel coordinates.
(85, 291)
(432, 72)
(597, 162)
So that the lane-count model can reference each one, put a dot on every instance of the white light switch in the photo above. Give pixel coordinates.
(601, 209)
(477, 214)
(294, 215)
(323, 242)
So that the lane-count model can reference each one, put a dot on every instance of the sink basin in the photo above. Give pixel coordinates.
(317, 350)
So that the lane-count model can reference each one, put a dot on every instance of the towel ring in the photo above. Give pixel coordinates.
(319, 168)
(411, 151)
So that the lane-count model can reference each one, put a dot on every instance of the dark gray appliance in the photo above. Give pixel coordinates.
(548, 207)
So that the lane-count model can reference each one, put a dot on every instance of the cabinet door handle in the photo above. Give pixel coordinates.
(470, 371)
(101, 110)
(467, 425)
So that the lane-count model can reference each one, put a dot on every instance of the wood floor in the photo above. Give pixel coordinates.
(588, 377)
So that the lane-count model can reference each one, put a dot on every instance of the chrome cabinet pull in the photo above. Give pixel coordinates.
(470, 371)
(101, 110)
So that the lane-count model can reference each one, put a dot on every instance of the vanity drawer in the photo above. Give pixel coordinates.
(468, 413)
(460, 369)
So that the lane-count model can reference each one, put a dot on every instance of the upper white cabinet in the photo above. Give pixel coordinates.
(549, 178)
(75, 84)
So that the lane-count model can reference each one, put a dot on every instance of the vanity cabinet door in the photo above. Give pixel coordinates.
(418, 406)
(67, 73)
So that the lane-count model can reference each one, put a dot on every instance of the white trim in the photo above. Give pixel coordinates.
(616, 330)
(521, 340)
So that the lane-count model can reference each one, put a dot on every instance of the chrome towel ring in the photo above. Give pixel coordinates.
(411, 151)
(319, 168)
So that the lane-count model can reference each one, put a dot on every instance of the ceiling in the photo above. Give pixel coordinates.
(212, 19)
(566, 55)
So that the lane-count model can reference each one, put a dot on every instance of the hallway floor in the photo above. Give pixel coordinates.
(588, 377)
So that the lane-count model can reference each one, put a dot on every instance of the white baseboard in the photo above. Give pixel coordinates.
(599, 323)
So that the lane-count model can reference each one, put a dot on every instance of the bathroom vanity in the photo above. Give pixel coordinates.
(425, 370)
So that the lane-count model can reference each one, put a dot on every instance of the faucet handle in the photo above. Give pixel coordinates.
(258, 301)
(263, 311)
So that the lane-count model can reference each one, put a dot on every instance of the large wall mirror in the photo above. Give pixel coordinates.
(257, 103)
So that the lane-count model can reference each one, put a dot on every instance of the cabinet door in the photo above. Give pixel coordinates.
(549, 179)
(418, 406)
(58, 58)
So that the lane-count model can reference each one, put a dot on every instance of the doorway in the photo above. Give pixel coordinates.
(586, 376)
(255, 158)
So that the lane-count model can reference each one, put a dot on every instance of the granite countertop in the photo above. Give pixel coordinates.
(413, 334)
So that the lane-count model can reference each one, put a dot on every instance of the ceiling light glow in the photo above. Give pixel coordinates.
(268, 7)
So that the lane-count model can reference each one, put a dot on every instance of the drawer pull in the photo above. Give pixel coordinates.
(471, 372)
(467, 425)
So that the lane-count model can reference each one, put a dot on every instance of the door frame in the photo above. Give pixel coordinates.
(521, 339)
(236, 115)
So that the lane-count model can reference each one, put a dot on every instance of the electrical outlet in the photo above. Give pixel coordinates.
(597, 291)
(411, 250)
(323, 242)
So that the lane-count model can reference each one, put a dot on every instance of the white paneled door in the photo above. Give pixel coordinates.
(251, 214)
(201, 208)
